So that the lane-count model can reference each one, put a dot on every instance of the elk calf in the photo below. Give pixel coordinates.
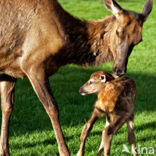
(116, 98)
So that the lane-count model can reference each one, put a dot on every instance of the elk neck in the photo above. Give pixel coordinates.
(90, 42)
(87, 42)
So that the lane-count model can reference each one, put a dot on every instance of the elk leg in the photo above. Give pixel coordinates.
(7, 99)
(41, 86)
(131, 135)
(109, 131)
(87, 128)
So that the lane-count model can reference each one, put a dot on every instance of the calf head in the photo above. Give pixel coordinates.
(126, 33)
(95, 83)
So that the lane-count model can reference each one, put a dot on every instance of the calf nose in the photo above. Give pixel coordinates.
(81, 91)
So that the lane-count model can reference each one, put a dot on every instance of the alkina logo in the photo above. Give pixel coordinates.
(140, 150)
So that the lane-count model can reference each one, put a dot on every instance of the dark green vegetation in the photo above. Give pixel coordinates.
(31, 133)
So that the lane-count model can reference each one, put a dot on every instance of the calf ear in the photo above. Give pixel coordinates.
(147, 8)
(113, 6)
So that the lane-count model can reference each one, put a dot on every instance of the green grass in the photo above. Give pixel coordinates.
(31, 133)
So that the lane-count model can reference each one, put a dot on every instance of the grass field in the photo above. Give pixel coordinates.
(31, 133)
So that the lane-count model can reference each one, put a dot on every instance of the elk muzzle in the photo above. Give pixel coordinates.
(119, 71)
(120, 62)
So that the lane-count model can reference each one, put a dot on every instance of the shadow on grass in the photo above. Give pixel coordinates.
(149, 125)
(50, 141)
(29, 114)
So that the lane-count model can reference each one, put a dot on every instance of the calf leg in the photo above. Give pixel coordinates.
(131, 135)
(7, 99)
(102, 142)
(109, 131)
(41, 86)
(87, 128)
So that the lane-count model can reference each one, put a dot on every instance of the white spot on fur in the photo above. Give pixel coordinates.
(94, 53)
(101, 103)
(107, 123)
(130, 125)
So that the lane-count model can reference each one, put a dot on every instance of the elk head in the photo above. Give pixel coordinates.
(95, 83)
(125, 33)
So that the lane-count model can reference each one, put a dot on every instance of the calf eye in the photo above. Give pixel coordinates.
(91, 82)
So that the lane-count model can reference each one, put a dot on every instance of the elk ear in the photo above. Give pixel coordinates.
(147, 8)
(113, 6)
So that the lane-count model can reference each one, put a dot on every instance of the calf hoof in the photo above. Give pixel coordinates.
(80, 153)
(100, 152)
(64, 154)
(3, 153)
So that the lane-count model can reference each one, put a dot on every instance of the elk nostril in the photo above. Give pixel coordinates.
(115, 70)
(118, 71)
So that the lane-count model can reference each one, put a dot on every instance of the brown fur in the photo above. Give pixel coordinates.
(116, 99)
(39, 36)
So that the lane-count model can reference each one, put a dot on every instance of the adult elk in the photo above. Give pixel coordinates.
(39, 36)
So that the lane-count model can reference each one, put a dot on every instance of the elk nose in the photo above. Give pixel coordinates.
(117, 71)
